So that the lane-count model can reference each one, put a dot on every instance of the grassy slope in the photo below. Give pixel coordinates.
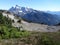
(16, 37)
(35, 38)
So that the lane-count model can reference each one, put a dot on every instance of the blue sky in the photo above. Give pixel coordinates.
(45, 5)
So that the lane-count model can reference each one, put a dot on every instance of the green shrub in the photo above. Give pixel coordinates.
(8, 31)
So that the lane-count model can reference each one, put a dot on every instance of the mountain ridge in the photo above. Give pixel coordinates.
(35, 16)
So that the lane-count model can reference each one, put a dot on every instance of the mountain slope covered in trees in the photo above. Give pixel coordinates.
(8, 31)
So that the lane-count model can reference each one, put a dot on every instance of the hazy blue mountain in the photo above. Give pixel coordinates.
(54, 12)
(35, 16)
(42, 17)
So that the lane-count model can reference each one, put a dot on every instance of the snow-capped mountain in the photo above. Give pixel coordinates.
(35, 16)
(20, 10)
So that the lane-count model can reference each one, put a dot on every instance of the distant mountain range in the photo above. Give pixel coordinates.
(35, 16)
(54, 12)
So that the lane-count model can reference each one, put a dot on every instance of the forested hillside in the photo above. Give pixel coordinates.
(8, 31)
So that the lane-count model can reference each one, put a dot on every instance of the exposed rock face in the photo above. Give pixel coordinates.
(8, 15)
(39, 27)
(36, 27)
